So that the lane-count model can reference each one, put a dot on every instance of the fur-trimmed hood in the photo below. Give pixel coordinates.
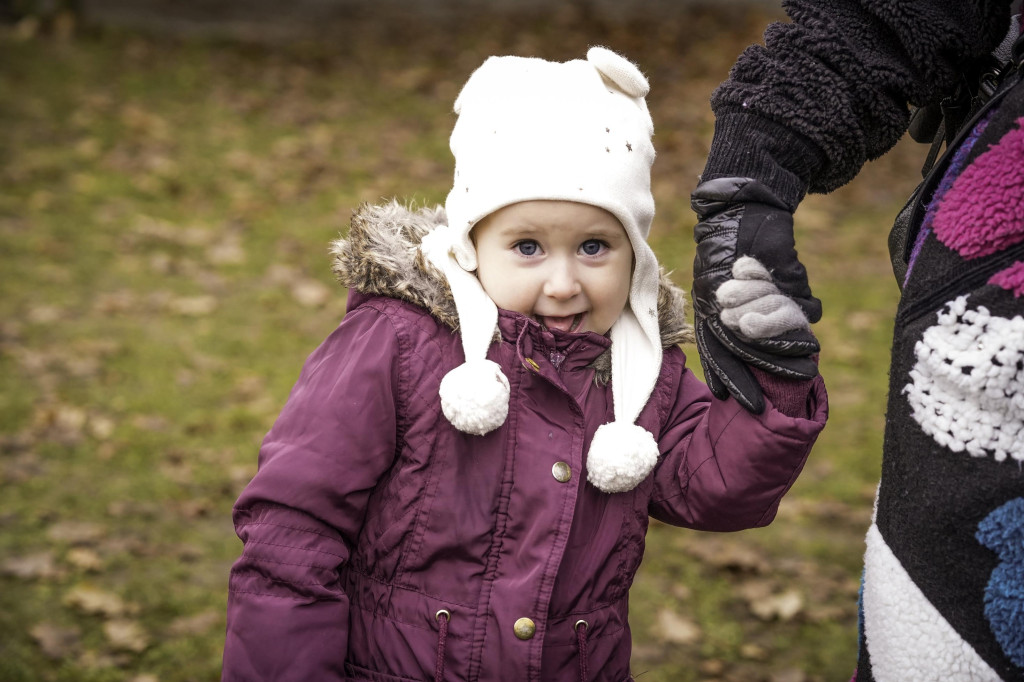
(381, 256)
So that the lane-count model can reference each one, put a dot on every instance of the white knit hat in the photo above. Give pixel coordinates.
(530, 129)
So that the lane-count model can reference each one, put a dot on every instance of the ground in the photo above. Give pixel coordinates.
(165, 209)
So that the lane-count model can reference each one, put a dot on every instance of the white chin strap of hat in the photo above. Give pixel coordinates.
(623, 453)
(474, 395)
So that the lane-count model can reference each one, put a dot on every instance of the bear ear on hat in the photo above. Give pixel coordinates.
(619, 70)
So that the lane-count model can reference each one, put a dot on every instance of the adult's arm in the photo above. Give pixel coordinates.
(830, 89)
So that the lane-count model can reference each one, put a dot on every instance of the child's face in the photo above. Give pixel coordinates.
(567, 265)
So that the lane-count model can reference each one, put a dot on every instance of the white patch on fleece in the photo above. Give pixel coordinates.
(967, 387)
(907, 638)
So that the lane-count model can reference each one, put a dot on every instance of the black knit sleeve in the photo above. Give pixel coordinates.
(830, 89)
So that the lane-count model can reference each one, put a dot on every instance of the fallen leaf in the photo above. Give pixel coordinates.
(151, 422)
(14, 442)
(189, 553)
(88, 148)
(197, 624)
(142, 510)
(115, 302)
(22, 467)
(249, 387)
(196, 507)
(727, 555)
(31, 566)
(82, 366)
(57, 642)
(712, 666)
(126, 635)
(178, 471)
(69, 418)
(84, 559)
(101, 427)
(677, 629)
(44, 314)
(94, 660)
(310, 293)
(163, 230)
(228, 251)
(95, 601)
(782, 606)
(161, 262)
(281, 273)
(193, 306)
(790, 675)
(681, 592)
(240, 474)
(27, 28)
(753, 652)
(75, 532)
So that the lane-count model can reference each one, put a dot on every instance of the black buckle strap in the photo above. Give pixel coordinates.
(904, 231)
(944, 123)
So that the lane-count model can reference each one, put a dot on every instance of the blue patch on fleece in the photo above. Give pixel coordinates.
(1002, 531)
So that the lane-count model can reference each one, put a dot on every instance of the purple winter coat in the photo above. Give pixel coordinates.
(370, 513)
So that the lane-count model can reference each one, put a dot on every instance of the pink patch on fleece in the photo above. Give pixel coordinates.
(983, 212)
(1011, 279)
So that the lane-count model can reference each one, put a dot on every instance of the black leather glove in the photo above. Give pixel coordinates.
(742, 217)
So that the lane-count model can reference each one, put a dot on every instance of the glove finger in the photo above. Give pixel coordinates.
(710, 376)
(791, 344)
(718, 389)
(766, 317)
(748, 267)
(722, 368)
(735, 292)
(811, 307)
(786, 363)
(705, 285)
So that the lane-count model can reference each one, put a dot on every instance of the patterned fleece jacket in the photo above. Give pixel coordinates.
(943, 587)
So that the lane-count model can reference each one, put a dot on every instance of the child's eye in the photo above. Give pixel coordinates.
(527, 247)
(592, 247)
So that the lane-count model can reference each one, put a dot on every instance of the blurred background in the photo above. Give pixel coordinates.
(170, 176)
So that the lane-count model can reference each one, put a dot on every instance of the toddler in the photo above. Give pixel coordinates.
(460, 483)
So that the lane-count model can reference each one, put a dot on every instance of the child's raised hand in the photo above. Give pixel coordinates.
(753, 305)
(770, 305)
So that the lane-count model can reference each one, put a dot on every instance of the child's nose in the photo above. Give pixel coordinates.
(562, 283)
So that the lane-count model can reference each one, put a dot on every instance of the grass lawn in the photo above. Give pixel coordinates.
(165, 210)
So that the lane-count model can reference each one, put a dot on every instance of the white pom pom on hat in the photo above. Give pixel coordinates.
(621, 455)
(474, 396)
(530, 129)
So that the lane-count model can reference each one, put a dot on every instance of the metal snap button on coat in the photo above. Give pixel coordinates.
(524, 628)
(561, 472)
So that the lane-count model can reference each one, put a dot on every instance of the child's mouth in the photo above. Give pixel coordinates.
(569, 323)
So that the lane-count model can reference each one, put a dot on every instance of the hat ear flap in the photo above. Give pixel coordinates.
(474, 395)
